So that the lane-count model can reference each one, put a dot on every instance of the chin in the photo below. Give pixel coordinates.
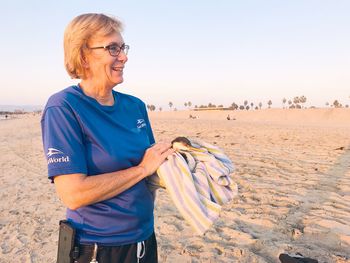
(118, 81)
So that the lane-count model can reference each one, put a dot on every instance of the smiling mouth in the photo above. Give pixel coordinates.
(118, 69)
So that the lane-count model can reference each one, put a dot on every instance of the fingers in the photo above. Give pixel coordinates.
(155, 156)
(161, 147)
(167, 153)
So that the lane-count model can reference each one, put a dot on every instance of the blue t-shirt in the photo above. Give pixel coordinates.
(82, 136)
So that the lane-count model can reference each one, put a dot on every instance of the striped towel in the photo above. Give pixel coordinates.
(198, 181)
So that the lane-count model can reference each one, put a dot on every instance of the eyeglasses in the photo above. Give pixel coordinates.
(114, 50)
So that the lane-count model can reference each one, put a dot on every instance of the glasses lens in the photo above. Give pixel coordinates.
(114, 50)
(126, 49)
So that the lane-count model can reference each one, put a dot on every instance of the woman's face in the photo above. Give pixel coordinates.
(101, 66)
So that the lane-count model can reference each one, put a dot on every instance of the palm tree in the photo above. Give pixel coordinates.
(234, 106)
(296, 100)
(302, 100)
(252, 105)
(170, 104)
(284, 102)
(290, 103)
(245, 103)
(210, 105)
(336, 104)
(185, 104)
(269, 103)
(260, 105)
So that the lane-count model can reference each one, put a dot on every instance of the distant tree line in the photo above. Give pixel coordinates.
(12, 112)
(19, 112)
(297, 102)
(336, 104)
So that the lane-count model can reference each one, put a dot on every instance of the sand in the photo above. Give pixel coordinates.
(292, 168)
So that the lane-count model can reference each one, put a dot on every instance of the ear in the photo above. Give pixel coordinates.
(85, 62)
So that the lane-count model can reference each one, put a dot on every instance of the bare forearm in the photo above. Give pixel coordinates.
(85, 190)
(77, 190)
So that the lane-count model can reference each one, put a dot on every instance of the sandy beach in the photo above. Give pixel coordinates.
(292, 169)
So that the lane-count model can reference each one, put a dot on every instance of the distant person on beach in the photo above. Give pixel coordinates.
(100, 148)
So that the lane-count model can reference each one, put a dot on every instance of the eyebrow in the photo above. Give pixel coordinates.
(116, 43)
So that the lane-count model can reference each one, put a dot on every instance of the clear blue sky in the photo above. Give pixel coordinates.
(199, 51)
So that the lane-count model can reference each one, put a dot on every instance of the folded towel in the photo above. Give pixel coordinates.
(198, 179)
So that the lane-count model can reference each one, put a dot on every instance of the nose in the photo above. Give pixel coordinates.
(122, 57)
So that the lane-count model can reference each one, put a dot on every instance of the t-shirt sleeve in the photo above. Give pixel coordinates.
(63, 142)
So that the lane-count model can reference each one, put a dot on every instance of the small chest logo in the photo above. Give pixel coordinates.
(140, 123)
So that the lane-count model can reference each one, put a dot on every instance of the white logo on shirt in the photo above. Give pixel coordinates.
(52, 151)
(140, 123)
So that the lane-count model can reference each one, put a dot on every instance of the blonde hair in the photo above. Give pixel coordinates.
(77, 34)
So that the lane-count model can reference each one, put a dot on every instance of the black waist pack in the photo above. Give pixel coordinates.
(67, 251)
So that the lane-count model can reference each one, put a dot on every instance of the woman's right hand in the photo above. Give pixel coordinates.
(155, 156)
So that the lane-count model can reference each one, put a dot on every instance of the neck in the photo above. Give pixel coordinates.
(102, 94)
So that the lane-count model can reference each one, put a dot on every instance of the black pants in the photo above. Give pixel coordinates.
(122, 254)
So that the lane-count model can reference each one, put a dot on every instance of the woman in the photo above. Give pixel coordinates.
(100, 147)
